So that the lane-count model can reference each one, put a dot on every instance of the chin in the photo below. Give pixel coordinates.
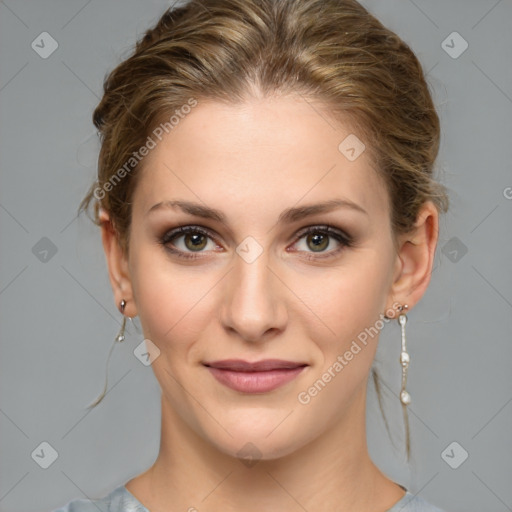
(259, 436)
(252, 449)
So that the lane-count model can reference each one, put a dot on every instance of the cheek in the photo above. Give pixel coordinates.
(345, 331)
(349, 303)
(171, 304)
(351, 296)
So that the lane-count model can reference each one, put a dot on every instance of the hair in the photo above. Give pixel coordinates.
(333, 52)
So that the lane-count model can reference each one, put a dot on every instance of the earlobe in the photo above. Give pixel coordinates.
(117, 264)
(415, 257)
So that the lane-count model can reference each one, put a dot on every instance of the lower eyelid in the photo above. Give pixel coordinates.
(342, 244)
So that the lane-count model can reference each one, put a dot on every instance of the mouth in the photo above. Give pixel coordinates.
(256, 377)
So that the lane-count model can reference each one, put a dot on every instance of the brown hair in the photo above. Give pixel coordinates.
(330, 51)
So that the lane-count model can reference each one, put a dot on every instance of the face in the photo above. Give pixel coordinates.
(287, 254)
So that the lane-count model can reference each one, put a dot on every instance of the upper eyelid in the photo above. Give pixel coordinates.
(328, 229)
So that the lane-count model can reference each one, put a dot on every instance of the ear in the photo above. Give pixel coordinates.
(415, 258)
(118, 269)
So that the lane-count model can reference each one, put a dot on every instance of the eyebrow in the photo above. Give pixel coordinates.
(289, 215)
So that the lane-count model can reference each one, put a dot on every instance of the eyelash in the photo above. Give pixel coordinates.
(344, 239)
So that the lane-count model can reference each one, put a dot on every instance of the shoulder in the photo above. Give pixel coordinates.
(412, 503)
(118, 500)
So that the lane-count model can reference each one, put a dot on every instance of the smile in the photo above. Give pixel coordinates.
(258, 377)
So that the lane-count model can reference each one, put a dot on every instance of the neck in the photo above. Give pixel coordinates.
(333, 472)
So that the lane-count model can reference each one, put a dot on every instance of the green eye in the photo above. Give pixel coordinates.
(315, 239)
(318, 238)
(195, 242)
(195, 239)
(319, 241)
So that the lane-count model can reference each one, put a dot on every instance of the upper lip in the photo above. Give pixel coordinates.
(239, 365)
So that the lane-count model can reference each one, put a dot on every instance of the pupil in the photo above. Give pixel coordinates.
(318, 241)
(197, 241)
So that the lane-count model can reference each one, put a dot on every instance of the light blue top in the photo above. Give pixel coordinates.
(122, 500)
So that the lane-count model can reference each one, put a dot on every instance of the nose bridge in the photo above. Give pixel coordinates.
(253, 304)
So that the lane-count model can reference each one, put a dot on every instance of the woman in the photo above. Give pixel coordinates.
(267, 206)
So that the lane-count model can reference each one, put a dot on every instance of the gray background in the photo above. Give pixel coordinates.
(58, 318)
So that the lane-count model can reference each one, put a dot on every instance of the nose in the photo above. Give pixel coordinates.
(254, 300)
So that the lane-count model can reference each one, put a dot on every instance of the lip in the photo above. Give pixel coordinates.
(239, 365)
(254, 377)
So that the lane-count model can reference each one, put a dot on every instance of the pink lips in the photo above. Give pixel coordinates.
(257, 377)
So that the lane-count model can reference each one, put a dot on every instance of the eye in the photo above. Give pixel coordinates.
(184, 241)
(319, 238)
(194, 239)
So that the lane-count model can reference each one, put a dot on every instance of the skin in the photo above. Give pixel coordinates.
(252, 161)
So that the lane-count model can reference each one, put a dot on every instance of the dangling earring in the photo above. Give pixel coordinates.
(405, 397)
(118, 339)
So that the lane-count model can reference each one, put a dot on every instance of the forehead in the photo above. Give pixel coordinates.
(259, 154)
